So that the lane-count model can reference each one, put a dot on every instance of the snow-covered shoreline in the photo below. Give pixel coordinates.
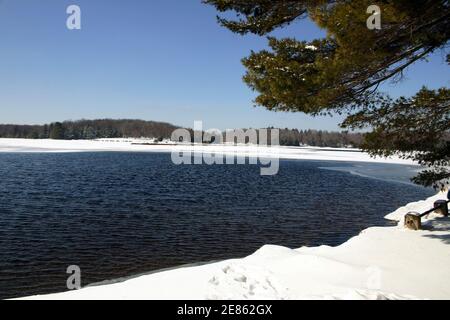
(380, 263)
(132, 145)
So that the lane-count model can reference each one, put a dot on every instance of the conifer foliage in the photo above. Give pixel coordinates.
(342, 72)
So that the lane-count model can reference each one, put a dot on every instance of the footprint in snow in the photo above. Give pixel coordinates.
(236, 281)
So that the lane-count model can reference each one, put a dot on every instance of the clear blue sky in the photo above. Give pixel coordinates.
(162, 60)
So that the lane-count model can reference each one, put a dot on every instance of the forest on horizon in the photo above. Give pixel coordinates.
(130, 128)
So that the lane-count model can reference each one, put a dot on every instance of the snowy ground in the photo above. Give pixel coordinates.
(123, 145)
(380, 263)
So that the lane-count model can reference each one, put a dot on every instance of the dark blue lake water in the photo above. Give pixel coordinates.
(121, 214)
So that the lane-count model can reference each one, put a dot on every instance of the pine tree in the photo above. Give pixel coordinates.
(416, 128)
(56, 131)
(341, 73)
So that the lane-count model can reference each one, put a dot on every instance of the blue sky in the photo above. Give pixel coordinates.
(165, 60)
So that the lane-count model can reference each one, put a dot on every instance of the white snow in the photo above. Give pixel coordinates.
(311, 47)
(123, 145)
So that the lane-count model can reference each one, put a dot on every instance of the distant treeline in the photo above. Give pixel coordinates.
(89, 129)
(125, 128)
(319, 138)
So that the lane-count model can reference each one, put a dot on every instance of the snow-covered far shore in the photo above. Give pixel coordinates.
(380, 263)
(138, 145)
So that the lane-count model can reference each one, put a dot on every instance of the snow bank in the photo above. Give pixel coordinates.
(417, 207)
(124, 145)
(380, 263)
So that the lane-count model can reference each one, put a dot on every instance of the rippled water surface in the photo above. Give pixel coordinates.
(121, 214)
